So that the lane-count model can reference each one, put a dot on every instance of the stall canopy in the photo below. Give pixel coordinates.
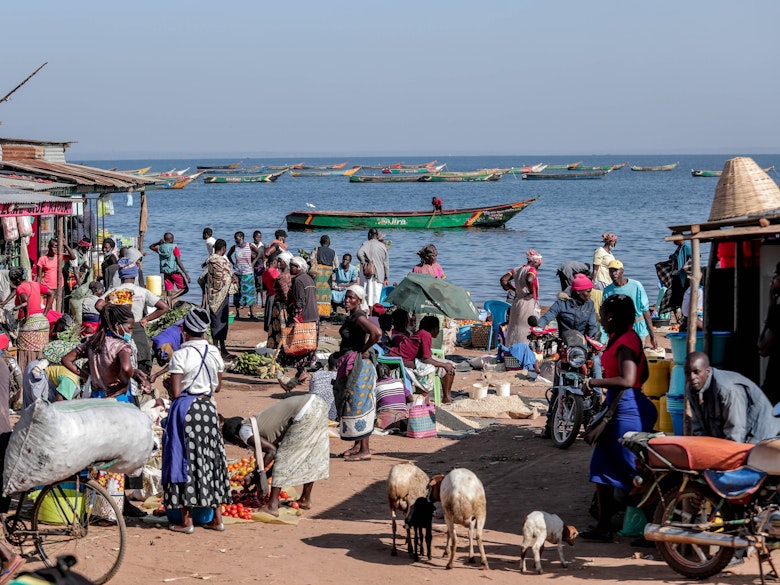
(83, 179)
(15, 202)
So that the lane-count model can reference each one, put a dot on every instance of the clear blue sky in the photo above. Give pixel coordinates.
(148, 79)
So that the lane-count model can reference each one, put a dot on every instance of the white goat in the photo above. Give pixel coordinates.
(539, 527)
(405, 484)
(462, 497)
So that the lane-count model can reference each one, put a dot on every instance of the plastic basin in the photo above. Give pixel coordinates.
(57, 508)
(679, 343)
(199, 515)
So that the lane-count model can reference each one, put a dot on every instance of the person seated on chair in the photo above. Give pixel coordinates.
(392, 398)
(415, 350)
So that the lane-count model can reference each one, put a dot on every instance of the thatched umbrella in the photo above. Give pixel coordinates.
(743, 189)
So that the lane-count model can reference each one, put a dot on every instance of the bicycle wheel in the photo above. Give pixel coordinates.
(81, 519)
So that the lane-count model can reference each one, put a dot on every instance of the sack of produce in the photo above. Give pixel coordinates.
(53, 441)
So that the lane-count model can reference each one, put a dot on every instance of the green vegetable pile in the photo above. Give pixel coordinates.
(175, 314)
(252, 364)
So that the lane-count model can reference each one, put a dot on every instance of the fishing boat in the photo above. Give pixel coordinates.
(142, 171)
(670, 167)
(700, 173)
(454, 177)
(411, 171)
(388, 178)
(495, 216)
(253, 170)
(216, 167)
(265, 178)
(614, 167)
(565, 176)
(285, 167)
(527, 169)
(339, 173)
(564, 167)
(401, 165)
(323, 167)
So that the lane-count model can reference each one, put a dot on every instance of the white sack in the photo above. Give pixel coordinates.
(53, 441)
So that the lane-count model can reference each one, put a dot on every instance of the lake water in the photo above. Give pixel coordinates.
(564, 223)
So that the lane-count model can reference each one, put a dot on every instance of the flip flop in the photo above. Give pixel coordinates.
(8, 573)
(357, 458)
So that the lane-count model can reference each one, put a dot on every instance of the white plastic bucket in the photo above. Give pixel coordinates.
(478, 391)
(154, 284)
(503, 389)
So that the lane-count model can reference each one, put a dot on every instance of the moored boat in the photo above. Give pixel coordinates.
(338, 173)
(388, 178)
(670, 167)
(285, 167)
(614, 167)
(454, 177)
(412, 171)
(564, 167)
(565, 176)
(264, 178)
(538, 168)
(703, 173)
(335, 167)
(235, 165)
(494, 216)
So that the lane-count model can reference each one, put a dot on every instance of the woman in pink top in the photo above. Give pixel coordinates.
(47, 267)
(33, 324)
(428, 265)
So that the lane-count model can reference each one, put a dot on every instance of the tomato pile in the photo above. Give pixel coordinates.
(236, 511)
(240, 469)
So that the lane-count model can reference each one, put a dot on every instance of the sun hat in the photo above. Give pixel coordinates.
(616, 264)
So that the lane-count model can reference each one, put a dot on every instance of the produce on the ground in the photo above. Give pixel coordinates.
(252, 364)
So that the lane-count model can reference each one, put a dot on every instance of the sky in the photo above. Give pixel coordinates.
(162, 79)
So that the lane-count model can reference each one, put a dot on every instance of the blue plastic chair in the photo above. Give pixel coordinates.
(497, 310)
(386, 290)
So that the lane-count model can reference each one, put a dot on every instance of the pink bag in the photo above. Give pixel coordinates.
(421, 423)
(10, 230)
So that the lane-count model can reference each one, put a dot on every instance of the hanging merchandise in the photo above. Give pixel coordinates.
(129, 199)
(24, 225)
(105, 205)
(10, 230)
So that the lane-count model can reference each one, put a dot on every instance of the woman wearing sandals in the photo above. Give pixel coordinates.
(194, 466)
(293, 434)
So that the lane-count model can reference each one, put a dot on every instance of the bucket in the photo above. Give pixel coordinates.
(503, 389)
(678, 423)
(56, 512)
(720, 340)
(154, 284)
(677, 381)
(664, 423)
(199, 515)
(658, 380)
(478, 391)
(675, 404)
(679, 343)
(634, 523)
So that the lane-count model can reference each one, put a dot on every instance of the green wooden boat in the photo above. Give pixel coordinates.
(388, 178)
(564, 167)
(495, 216)
(703, 173)
(462, 177)
(266, 178)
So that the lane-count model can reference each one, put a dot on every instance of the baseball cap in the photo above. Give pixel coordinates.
(616, 264)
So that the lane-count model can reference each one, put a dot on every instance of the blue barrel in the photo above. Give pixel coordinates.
(679, 343)
(677, 381)
(675, 404)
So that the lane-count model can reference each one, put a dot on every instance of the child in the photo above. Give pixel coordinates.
(90, 316)
(171, 267)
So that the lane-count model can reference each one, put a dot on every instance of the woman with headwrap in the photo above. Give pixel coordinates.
(33, 324)
(301, 308)
(428, 264)
(526, 302)
(194, 466)
(601, 259)
(282, 288)
(353, 389)
(219, 278)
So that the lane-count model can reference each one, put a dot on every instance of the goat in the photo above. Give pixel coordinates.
(539, 527)
(420, 517)
(405, 484)
(462, 497)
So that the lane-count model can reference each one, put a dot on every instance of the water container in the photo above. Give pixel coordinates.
(720, 340)
(664, 423)
(679, 343)
(658, 381)
(678, 423)
(154, 284)
(199, 515)
(677, 381)
(634, 523)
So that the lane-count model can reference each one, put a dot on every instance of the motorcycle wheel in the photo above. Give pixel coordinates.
(694, 505)
(566, 420)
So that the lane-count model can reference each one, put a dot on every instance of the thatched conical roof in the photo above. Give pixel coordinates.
(743, 189)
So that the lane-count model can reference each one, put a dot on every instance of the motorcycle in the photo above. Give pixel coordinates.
(712, 497)
(573, 406)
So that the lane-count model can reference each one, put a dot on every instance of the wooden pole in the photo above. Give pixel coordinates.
(60, 276)
(693, 307)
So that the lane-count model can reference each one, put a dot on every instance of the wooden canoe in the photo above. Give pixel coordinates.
(565, 167)
(701, 173)
(527, 169)
(339, 173)
(265, 178)
(462, 177)
(388, 178)
(614, 167)
(323, 167)
(216, 167)
(564, 176)
(495, 216)
(670, 167)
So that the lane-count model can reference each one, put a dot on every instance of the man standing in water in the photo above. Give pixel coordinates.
(375, 260)
(633, 289)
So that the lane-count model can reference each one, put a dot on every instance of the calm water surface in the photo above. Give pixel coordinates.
(565, 223)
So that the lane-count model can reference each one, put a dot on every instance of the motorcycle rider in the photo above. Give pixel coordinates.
(575, 312)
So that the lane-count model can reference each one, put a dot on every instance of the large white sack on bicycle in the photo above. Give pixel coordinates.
(53, 441)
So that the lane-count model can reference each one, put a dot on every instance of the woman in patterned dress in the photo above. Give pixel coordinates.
(194, 467)
(243, 256)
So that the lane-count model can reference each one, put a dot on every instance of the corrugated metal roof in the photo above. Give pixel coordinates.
(9, 195)
(34, 185)
(77, 174)
(66, 143)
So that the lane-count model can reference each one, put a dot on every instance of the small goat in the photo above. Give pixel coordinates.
(405, 484)
(420, 517)
(539, 527)
(462, 497)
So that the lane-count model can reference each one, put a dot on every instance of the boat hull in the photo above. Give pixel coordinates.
(564, 176)
(266, 178)
(388, 178)
(495, 216)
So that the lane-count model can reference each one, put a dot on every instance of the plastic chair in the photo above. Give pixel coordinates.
(439, 355)
(386, 290)
(497, 310)
(397, 363)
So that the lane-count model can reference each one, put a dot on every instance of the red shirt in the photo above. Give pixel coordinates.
(269, 276)
(610, 362)
(418, 346)
(33, 290)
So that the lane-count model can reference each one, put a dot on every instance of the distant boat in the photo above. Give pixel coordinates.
(454, 177)
(565, 167)
(285, 167)
(322, 167)
(538, 168)
(698, 173)
(332, 173)
(495, 216)
(266, 178)
(614, 167)
(417, 166)
(564, 176)
(670, 167)
(389, 178)
(213, 167)
(413, 170)
(253, 170)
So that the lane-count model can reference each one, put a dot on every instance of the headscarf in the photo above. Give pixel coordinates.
(532, 256)
(300, 263)
(55, 350)
(84, 243)
(378, 309)
(427, 251)
(610, 239)
(197, 320)
(127, 268)
(581, 282)
(285, 257)
(360, 293)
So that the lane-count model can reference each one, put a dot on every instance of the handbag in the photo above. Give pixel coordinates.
(369, 269)
(314, 270)
(598, 423)
(299, 339)
(421, 423)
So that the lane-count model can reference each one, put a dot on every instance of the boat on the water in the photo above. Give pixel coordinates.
(495, 216)
(332, 173)
(454, 177)
(389, 178)
(401, 165)
(702, 173)
(564, 167)
(297, 166)
(264, 178)
(538, 168)
(670, 167)
(412, 171)
(565, 176)
(614, 167)
(216, 167)
(323, 167)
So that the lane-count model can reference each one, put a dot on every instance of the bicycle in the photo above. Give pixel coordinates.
(74, 516)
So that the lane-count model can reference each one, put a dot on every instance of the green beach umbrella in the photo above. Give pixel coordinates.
(422, 293)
